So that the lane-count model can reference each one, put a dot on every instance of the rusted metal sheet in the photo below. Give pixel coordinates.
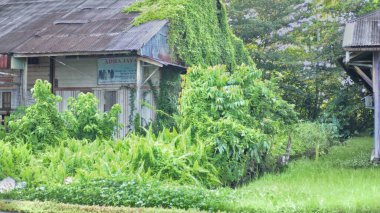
(4, 61)
(363, 32)
(53, 26)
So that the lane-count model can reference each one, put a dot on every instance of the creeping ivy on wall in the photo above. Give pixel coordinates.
(199, 36)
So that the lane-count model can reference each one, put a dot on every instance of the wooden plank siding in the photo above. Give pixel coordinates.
(38, 71)
(77, 75)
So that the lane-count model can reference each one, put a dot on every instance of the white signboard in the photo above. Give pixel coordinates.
(121, 70)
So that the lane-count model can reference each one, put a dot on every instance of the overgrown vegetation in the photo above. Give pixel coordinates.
(132, 193)
(235, 114)
(298, 43)
(318, 186)
(199, 31)
(226, 122)
(324, 188)
(41, 124)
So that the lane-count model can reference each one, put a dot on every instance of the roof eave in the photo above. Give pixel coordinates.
(362, 48)
(57, 54)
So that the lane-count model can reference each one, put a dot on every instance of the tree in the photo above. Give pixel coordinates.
(297, 43)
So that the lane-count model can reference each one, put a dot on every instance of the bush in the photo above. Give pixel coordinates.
(85, 121)
(235, 114)
(313, 138)
(13, 159)
(41, 124)
(168, 157)
(129, 193)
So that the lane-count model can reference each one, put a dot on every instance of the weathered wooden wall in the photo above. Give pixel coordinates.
(77, 75)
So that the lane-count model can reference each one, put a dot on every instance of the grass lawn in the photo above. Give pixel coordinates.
(342, 181)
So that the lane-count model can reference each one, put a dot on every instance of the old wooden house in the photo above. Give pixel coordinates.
(362, 62)
(82, 46)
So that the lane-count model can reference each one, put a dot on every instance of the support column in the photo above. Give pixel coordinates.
(52, 73)
(139, 81)
(376, 95)
(25, 83)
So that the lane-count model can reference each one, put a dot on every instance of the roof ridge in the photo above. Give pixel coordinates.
(364, 16)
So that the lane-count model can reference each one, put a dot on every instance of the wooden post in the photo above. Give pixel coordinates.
(52, 73)
(376, 95)
(139, 81)
(25, 83)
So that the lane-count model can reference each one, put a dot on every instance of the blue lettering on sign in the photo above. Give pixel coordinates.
(120, 70)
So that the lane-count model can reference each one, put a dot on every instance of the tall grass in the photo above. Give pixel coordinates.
(328, 185)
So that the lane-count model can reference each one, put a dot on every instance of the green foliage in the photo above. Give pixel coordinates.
(13, 159)
(356, 154)
(350, 118)
(131, 193)
(39, 207)
(84, 121)
(170, 156)
(324, 188)
(167, 100)
(235, 114)
(316, 186)
(42, 124)
(313, 138)
(199, 31)
(298, 42)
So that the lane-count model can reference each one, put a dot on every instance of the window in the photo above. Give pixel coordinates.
(109, 100)
(7, 100)
(33, 60)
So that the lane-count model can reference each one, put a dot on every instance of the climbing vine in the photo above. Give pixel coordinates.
(199, 31)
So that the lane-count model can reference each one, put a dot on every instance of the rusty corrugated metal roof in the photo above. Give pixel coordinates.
(363, 33)
(68, 26)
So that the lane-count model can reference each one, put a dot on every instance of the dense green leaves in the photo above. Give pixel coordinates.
(133, 193)
(84, 121)
(234, 113)
(41, 124)
(298, 43)
(199, 31)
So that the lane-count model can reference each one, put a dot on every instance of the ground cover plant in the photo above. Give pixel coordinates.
(131, 193)
(334, 183)
(227, 124)
(331, 184)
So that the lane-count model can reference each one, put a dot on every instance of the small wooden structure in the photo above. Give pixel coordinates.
(362, 62)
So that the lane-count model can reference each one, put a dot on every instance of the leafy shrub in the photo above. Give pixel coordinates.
(131, 193)
(233, 113)
(350, 118)
(169, 156)
(42, 123)
(313, 138)
(13, 159)
(85, 121)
